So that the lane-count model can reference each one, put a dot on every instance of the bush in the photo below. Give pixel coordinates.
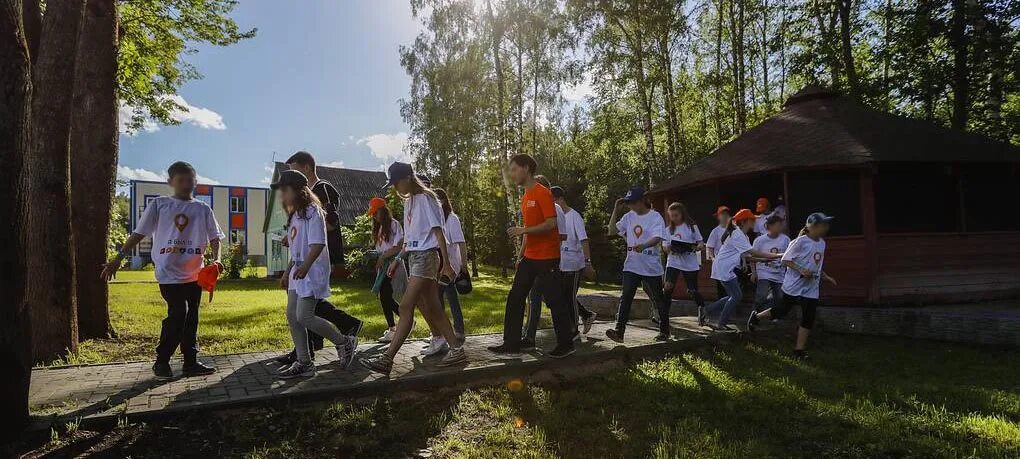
(234, 262)
(361, 264)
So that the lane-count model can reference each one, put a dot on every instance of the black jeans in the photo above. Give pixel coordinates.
(180, 328)
(346, 323)
(571, 283)
(690, 280)
(653, 287)
(544, 274)
(808, 309)
(389, 305)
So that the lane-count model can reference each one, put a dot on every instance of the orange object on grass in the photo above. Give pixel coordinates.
(207, 278)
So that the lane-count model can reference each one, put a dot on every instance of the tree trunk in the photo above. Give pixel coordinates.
(504, 137)
(669, 92)
(15, 113)
(51, 293)
(846, 47)
(718, 74)
(32, 15)
(646, 114)
(94, 136)
(961, 74)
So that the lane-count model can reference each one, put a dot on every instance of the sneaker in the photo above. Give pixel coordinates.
(561, 351)
(800, 354)
(661, 337)
(162, 371)
(437, 345)
(386, 337)
(382, 364)
(297, 370)
(197, 368)
(460, 337)
(655, 319)
(720, 327)
(577, 336)
(355, 329)
(456, 356)
(527, 344)
(288, 358)
(702, 317)
(588, 323)
(504, 353)
(615, 335)
(752, 321)
(346, 351)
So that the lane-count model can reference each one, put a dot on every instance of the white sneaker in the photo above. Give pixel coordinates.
(436, 345)
(386, 337)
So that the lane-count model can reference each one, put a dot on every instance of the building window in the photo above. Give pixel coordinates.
(238, 204)
(237, 237)
(206, 198)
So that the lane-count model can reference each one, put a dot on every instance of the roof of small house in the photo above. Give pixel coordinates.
(355, 186)
(820, 128)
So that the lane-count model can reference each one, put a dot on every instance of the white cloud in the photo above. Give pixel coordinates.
(333, 164)
(191, 114)
(580, 91)
(268, 178)
(127, 173)
(387, 147)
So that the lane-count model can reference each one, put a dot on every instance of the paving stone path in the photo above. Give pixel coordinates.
(96, 392)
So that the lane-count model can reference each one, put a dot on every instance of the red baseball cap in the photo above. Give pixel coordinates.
(375, 204)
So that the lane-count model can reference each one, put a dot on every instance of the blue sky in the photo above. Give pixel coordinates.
(323, 77)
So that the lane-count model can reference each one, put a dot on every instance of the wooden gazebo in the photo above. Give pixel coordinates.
(925, 214)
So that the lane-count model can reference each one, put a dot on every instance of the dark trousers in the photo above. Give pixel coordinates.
(390, 307)
(546, 276)
(690, 280)
(808, 309)
(180, 328)
(571, 282)
(653, 287)
(346, 323)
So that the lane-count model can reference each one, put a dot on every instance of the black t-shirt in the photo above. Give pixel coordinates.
(330, 199)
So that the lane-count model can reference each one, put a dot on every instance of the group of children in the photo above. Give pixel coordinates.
(421, 261)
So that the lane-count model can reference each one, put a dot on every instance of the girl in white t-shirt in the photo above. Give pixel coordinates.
(456, 246)
(734, 250)
(683, 245)
(388, 237)
(427, 257)
(307, 276)
(803, 260)
(768, 276)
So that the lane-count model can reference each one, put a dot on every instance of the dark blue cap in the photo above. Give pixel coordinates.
(291, 178)
(397, 172)
(819, 217)
(557, 191)
(635, 193)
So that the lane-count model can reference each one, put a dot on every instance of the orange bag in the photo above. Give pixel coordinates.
(207, 278)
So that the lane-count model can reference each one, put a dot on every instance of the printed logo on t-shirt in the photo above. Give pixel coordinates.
(181, 221)
(638, 230)
(532, 204)
(414, 244)
(818, 257)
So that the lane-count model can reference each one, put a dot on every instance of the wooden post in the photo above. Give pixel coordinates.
(786, 199)
(869, 227)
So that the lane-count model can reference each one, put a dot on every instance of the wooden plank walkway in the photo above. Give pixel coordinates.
(107, 392)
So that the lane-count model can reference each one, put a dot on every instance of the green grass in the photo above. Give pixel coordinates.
(248, 315)
(857, 397)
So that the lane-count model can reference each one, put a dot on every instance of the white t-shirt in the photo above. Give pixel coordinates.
(639, 229)
(454, 236)
(771, 270)
(759, 221)
(690, 261)
(713, 239)
(806, 253)
(561, 223)
(180, 232)
(728, 257)
(396, 235)
(571, 251)
(422, 213)
(306, 228)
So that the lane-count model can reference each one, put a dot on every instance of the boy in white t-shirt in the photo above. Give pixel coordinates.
(768, 276)
(181, 228)
(643, 228)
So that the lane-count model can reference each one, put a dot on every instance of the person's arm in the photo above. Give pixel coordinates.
(546, 226)
(285, 278)
(589, 270)
(314, 250)
(611, 227)
(214, 244)
(649, 243)
(109, 270)
(828, 278)
(804, 272)
(447, 269)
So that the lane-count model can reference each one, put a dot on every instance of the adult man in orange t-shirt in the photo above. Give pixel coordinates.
(538, 266)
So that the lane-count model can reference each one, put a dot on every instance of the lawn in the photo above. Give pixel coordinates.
(857, 397)
(248, 315)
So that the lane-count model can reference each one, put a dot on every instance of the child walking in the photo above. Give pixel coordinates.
(427, 258)
(683, 247)
(768, 275)
(306, 278)
(723, 215)
(734, 250)
(803, 260)
(388, 237)
(456, 246)
(181, 228)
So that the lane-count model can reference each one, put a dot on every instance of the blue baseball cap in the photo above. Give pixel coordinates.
(397, 172)
(635, 193)
(291, 178)
(818, 217)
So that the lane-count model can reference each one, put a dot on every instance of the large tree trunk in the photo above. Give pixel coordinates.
(15, 113)
(51, 267)
(846, 46)
(961, 74)
(94, 135)
(504, 137)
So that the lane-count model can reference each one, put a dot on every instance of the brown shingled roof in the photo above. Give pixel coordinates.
(356, 187)
(819, 128)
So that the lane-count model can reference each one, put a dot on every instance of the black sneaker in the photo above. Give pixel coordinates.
(355, 329)
(162, 371)
(561, 352)
(615, 335)
(661, 337)
(288, 358)
(800, 354)
(752, 321)
(197, 368)
(503, 352)
(702, 318)
(527, 344)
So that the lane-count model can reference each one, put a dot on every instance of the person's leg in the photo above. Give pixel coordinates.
(808, 310)
(653, 285)
(550, 283)
(736, 294)
(455, 312)
(306, 317)
(669, 285)
(513, 318)
(435, 314)
(691, 282)
(389, 305)
(534, 313)
(720, 292)
(415, 285)
(176, 297)
(627, 291)
(777, 292)
(582, 311)
(298, 333)
(761, 294)
(189, 333)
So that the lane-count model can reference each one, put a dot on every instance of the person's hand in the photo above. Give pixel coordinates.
(619, 203)
(831, 280)
(807, 274)
(449, 272)
(301, 272)
(515, 231)
(667, 286)
(754, 277)
(379, 263)
(699, 247)
(110, 270)
(392, 269)
(219, 264)
(589, 272)
(285, 280)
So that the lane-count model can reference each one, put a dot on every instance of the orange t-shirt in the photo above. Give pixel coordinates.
(536, 207)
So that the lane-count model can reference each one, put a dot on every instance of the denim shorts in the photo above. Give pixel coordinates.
(423, 264)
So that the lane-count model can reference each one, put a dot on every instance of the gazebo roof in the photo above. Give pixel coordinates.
(356, 187)
(820, 128)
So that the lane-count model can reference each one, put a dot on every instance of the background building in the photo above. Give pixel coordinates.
(355, 186)
(240, 211)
